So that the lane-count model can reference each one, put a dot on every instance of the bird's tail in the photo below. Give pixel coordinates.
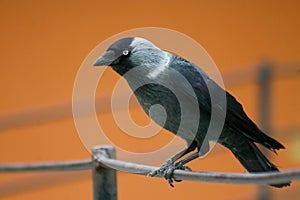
(254, 161)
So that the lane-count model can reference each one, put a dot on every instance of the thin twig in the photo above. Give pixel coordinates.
(216, 177)
(52, 166)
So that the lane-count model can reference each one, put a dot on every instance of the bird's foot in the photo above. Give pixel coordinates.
(167, 171)
(161, 169)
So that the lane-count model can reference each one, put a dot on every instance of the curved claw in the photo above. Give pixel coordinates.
(179, 165)
(167, 171)
(183, 167)
(161, 170)
(158, 171)
(168, 174)
(153, 173)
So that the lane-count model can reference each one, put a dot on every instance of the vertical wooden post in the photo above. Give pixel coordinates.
(104, 178)
(264, 112)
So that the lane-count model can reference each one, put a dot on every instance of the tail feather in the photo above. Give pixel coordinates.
(270, 143)
(254, 161)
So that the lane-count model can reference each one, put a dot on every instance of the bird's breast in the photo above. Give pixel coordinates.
(169, 113)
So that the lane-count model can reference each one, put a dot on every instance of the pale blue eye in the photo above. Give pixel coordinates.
(125, 52)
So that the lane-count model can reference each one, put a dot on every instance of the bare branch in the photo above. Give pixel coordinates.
(52, 166)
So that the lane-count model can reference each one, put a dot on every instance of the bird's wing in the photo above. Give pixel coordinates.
(233, 110)
(196, 91)
(239, 121)
(200, 83)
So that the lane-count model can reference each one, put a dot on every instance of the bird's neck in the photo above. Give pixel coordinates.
(121, 70)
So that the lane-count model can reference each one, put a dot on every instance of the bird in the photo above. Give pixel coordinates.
(154, 76)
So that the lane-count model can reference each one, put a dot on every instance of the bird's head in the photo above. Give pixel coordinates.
(128, 53)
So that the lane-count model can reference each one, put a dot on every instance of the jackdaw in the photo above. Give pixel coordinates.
(154, 82)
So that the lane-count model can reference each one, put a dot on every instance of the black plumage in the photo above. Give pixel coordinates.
(155, 72)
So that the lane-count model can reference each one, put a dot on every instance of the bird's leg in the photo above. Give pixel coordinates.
(180, 164)
(169, 162)
(168, 174)
(168, 168)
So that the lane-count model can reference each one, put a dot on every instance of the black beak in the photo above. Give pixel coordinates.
(106, 59)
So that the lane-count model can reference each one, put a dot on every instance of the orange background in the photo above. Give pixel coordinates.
(44, 42)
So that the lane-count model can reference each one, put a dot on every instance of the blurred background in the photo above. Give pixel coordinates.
(43, 44)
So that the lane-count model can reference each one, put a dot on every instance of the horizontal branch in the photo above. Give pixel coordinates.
(53, 166)
(216, 177)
